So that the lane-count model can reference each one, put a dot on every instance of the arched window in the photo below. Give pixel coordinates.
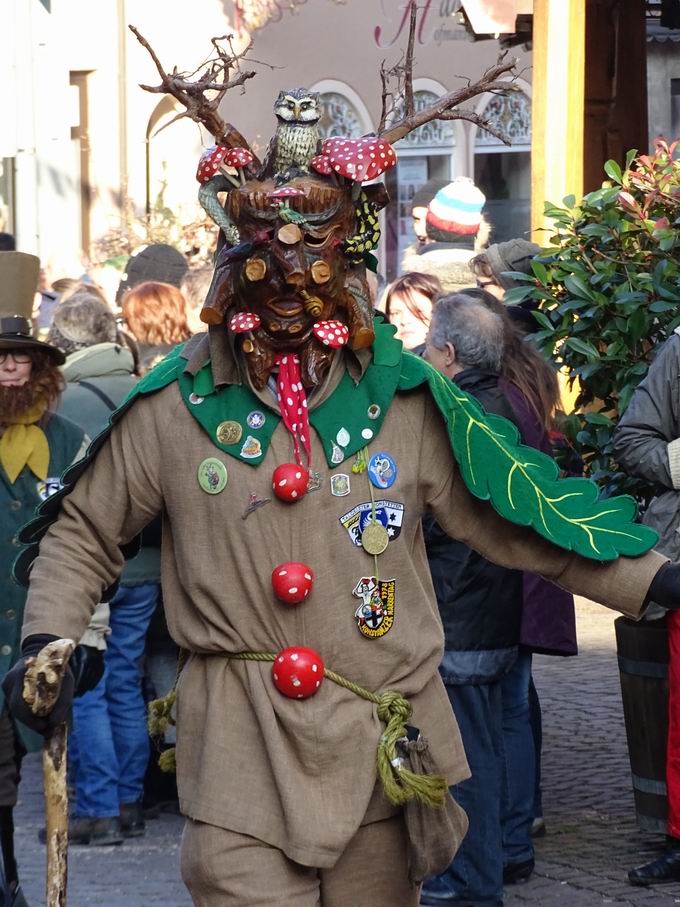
(339, 117)
(503, 172)
(435, 134)
(510, 113)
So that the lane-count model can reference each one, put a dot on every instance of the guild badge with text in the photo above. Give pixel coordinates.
(375, 614)
(389, 514)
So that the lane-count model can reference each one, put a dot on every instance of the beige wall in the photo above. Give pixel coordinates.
(663, 64)
(323, 44)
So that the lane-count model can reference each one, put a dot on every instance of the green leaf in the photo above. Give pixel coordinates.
(598, 419)
(522, 483)
(540, 271)
(543, 320)
(613, 171)
(583, 347)
(577, 286)
(517, 294)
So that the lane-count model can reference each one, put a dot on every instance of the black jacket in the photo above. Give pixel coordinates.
(480, 603)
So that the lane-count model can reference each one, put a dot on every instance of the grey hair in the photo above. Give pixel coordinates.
(475, 332)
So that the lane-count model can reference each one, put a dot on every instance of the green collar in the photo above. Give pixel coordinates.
(347, 421)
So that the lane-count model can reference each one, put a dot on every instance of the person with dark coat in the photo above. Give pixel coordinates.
(647, 445)
(489, 613)
(36, 446)
(109, 745)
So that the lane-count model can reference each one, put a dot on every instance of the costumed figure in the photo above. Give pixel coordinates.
(292, 451)
(36, 446)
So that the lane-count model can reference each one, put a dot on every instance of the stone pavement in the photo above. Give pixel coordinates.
(592, 838)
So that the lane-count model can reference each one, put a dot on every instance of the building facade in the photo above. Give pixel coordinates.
(80, 146)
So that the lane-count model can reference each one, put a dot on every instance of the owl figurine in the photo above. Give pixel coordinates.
(296, 140)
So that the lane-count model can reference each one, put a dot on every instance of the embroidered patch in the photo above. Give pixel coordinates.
(389, 514)
(375, 614)
(382, 470)
(47, 488)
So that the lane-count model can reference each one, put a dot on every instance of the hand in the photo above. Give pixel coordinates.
(87, 665)
(13, 687)
(665, 588)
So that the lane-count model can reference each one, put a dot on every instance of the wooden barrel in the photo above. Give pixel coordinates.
(643, 665)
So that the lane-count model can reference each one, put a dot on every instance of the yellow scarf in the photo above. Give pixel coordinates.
(23, 443)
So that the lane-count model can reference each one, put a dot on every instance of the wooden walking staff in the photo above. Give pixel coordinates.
(42, 684)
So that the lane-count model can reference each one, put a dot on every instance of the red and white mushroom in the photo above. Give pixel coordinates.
(242, 322)
(239, 158)
(322, 164)
(359, 159)
(210, 162)
(331, 333)
(286, 192)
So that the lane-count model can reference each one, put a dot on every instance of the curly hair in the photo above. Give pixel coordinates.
(156, 313)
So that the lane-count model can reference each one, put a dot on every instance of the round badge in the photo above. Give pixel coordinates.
(256, 419)
(382, 470)
(374, 538)
(229, 433)
(373, 411)
(195, 399)
(212, 475)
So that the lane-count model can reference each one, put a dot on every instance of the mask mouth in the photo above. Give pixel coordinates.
(286, 308)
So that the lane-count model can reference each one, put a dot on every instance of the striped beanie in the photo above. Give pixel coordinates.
(455, 211)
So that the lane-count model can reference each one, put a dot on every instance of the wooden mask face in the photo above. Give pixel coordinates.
(290, 271)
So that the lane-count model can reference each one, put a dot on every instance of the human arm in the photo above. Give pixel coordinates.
(646, 440)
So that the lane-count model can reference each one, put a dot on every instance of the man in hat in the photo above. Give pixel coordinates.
(455, 228)
(491, 269)
(36, 446)
(286, 693)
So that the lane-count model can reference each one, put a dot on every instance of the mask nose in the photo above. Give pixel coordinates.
(295, 278)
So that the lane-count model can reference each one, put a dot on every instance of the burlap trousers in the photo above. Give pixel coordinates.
(225, 869)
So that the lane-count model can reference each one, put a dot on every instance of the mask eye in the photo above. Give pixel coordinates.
(311, 240)
(255, 269)
(321, 272)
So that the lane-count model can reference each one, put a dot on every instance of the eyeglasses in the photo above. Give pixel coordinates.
(17, 358)
(483, 284)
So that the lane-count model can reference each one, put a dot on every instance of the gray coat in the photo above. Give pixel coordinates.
(647, 443)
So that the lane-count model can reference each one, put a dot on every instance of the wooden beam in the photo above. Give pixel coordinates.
(557, 105)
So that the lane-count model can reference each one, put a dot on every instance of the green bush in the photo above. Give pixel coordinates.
(608, 288)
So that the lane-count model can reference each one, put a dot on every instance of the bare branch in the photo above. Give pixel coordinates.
(220, 73)
(444, 107)
(409, 107)
(472, 117)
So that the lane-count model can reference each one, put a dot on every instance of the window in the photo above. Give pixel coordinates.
(339, 117)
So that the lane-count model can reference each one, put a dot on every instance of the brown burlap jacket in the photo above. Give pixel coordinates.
(297, 775)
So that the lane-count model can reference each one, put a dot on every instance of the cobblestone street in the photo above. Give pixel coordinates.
(592, 839)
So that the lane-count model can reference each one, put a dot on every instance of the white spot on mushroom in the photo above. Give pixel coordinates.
(294, 656)
(292, 590)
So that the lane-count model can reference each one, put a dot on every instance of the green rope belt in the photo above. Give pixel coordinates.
(399, 782)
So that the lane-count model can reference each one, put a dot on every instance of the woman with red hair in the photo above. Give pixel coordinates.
(156, 316)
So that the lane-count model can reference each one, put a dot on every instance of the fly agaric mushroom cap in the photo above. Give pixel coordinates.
(359, 159)
(238, 157)
(286, 192)
(322, 164)
(210, 161)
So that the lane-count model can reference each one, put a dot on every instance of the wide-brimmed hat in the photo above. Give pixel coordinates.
(19, 274)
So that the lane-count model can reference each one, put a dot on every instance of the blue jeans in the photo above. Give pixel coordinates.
(476, 873)
(519, 772)
(109, 743)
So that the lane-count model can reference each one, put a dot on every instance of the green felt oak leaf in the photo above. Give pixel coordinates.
(522, 483)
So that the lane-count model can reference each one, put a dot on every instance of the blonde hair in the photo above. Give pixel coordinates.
(156, 313)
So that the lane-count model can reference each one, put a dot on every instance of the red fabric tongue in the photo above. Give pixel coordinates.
(293, 403)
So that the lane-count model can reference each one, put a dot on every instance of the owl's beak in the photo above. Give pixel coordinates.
(298, 111)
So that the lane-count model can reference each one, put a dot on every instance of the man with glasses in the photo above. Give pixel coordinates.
(36, 446)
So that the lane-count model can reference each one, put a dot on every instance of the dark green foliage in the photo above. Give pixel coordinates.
(608, 287)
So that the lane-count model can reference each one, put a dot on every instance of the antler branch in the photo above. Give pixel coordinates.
(222, 72)
(443, 108)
